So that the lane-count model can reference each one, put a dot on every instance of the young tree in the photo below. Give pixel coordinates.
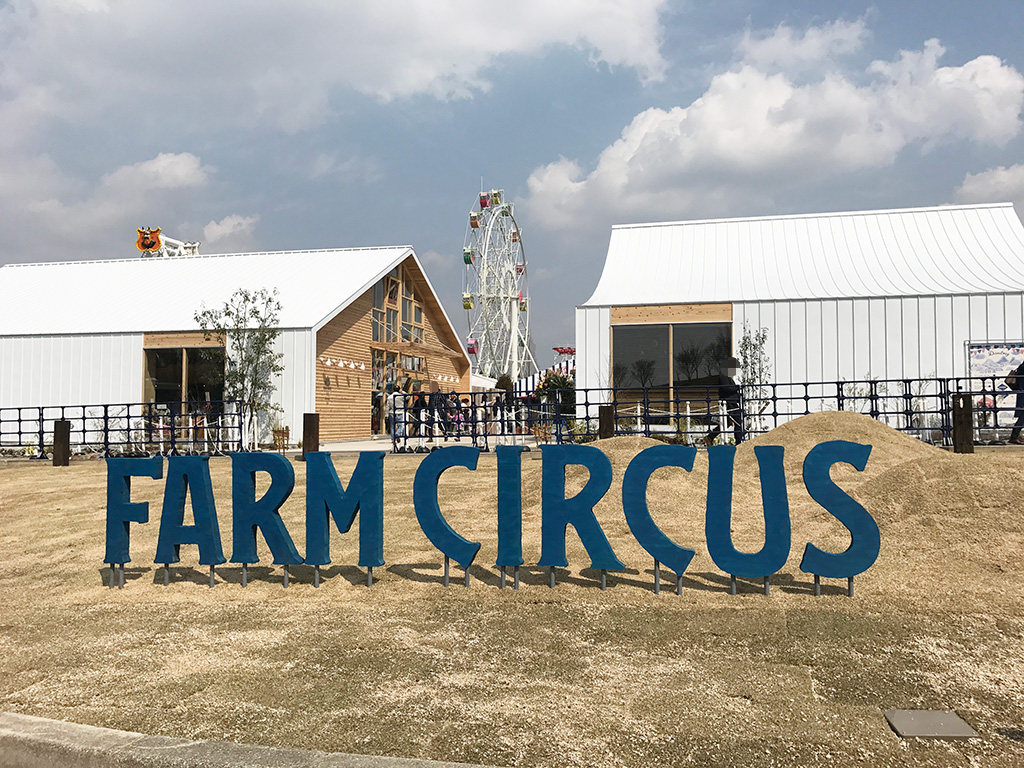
(247, 326)
(755, 373)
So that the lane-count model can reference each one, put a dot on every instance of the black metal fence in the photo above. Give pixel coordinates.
(695, 415)
(698, 415)
(126, 429)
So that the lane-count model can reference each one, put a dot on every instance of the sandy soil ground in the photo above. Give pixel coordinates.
(567, 677)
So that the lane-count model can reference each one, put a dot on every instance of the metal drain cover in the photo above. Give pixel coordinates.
(928, 724)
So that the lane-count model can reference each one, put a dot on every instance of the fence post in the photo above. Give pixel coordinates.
(908, 401)
(605, 421)
(947, 429)
(173, 420)
(963, 427)
(61, 443)
(310, 434)
(40, 451)
(647, 412)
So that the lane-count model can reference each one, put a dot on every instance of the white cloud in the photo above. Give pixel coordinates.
(45, 214)
(229, 230)
(230, 65)
(165, 171)
(158, 71)
(364, 170)
(996, 185)
(754, 135)
(786, 49)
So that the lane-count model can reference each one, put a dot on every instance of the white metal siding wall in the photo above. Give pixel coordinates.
(850, 339)
(295, 386)
(593, 347)
(70, 370)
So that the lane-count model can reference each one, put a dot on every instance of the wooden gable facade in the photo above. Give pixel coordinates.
(393, 334)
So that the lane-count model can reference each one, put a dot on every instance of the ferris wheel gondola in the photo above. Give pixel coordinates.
(495, 291)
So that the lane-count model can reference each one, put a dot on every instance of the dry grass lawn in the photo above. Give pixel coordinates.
(567, 677)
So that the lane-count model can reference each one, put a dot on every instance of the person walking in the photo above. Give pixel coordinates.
(1015, 381)
(729, 394)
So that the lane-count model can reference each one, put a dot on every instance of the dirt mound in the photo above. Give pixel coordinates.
(621, 450)
(889, 446)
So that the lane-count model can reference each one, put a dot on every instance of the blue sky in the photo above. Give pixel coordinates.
(271, 126)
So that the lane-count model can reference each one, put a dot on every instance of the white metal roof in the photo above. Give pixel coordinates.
(162, 294)
(920, 251)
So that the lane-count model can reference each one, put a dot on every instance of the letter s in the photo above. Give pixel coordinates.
(865, 540)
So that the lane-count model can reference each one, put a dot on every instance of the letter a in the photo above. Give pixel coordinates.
(189, 475)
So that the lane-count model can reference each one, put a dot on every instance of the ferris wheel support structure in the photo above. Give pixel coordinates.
(496, 291)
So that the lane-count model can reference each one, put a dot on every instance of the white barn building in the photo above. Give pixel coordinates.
(843, 296)
(352, 322)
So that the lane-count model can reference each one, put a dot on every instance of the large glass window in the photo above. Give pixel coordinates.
(640, 356)
(698, 350)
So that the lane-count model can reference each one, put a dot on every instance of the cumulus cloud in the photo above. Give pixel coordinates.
(996, 185)
(45, 214)
(755, 133)
(282, 64)
(786, 49)
(159, 71)
(165, 171)
(232, 233)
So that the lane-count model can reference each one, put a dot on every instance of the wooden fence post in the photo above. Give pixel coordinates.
(605, 421)
(310, 434)
(61, 443)
(963, 424)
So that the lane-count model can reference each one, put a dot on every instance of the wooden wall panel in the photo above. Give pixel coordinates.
(177, 339)
(672, 313)
(344, 395)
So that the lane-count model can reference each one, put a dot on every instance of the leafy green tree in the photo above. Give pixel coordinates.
(247, 327)
(560, 388)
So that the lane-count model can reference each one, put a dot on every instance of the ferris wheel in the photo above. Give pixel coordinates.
(494, 292)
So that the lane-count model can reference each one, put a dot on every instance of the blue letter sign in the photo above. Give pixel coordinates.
(189, 475)
(718, 521)
(865, 540)
(634, 502)
(248, 514)
(121, 510)
(325, 498)
(558, 512)
(428, 511)
(510, 505)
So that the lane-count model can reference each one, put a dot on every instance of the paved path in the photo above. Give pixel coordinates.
(31, 742)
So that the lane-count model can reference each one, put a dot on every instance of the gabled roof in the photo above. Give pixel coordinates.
(920, 251)
(162, 294)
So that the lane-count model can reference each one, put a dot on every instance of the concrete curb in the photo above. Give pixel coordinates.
(36, 742)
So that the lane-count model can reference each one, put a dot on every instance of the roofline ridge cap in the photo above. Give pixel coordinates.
(138, 259)
(820, 215)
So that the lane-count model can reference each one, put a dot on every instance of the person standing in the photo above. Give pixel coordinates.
(729, 394)
(437, 407)
(396, 412)
(1015, 381)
